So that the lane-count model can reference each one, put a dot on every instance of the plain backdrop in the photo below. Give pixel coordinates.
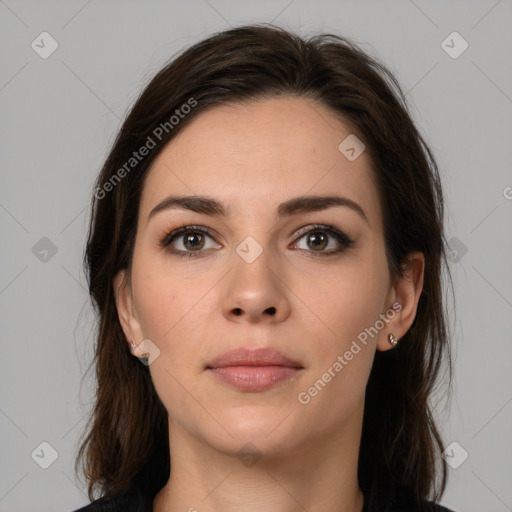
(59, 113)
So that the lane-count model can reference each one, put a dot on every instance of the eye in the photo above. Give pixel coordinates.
(319, 237)
(189, 240)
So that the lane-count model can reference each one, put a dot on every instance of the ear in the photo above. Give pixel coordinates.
(404, 298)
(127, 314)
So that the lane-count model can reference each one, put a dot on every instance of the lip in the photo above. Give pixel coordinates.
(255, 357)
(253, 370)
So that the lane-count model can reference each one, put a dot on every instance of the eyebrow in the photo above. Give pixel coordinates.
(294, 206)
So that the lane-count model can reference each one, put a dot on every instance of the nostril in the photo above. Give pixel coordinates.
(271, 310)
(237, 311)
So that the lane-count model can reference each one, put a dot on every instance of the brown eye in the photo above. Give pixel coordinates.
(320, 237)
(187, 240)
(317, 240)
(193, 241)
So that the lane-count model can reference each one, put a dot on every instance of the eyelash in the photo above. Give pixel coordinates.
(341, 237)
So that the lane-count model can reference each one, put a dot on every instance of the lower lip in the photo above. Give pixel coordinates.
(254, 378)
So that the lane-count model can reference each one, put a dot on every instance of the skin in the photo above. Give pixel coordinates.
(253, 157)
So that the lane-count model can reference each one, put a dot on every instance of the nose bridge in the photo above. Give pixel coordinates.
(255, 288)
(254, 260)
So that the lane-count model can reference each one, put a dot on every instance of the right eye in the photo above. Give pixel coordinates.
(190, 238)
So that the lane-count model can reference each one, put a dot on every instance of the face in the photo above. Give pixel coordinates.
(309, 280)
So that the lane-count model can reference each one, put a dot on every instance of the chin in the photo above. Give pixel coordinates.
(269, 429)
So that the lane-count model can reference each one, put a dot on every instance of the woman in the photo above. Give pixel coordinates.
(265, 254)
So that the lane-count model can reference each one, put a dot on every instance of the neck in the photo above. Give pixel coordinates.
(315, 476)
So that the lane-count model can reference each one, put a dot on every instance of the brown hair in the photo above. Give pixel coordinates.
(127, 433)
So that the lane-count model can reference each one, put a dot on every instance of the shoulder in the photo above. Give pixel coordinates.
(386, 496)
(425, 506)
(436, 507)
(408, 505)
(130, 501)
(402, 504)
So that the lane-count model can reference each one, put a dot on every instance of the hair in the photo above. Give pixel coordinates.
(127, 442)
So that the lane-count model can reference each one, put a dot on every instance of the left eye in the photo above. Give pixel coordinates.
(318, 239)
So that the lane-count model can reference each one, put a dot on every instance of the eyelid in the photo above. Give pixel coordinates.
(343, 239)
(174, 233)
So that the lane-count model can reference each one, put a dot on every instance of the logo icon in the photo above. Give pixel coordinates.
(454, 45)
(351, 147)
(249, 249)
(44, 250)
(249, 455)
(45, 455)
(44, 45)
(456, 249)
(455, 455)
(151, 350)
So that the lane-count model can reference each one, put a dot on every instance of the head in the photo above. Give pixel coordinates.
(304, 246)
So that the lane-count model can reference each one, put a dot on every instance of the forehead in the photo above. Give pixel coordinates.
(262, 153)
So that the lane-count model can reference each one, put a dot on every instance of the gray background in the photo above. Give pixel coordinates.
(58, 117)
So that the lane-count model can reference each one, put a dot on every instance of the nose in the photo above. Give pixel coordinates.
(255, 292)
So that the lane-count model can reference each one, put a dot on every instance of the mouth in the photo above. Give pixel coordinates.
(253, 370)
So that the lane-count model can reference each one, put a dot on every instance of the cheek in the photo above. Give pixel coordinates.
(347, 301)
(172, 314)
(165, 299)
(348, 306)
(358, 307)
(341, 362)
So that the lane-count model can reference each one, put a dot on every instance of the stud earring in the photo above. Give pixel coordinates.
(146, 355)
(393, 339)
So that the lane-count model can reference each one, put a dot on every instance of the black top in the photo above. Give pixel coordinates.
(380, 499)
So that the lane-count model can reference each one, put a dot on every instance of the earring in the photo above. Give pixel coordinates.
(144, 358)
(392, 339)
(146, 355)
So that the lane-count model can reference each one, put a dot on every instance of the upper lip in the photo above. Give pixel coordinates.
(255, 357)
